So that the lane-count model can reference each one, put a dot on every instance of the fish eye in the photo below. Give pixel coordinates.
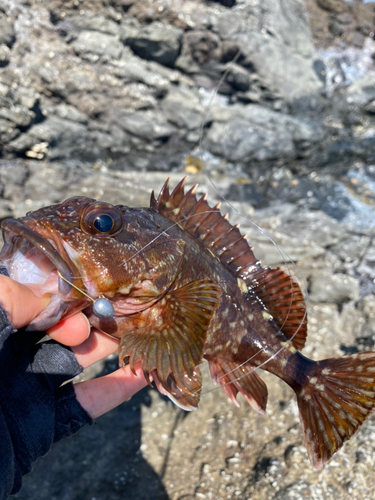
(103, 223)
(101, 219)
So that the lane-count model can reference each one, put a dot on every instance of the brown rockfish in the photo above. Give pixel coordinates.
(185, 286)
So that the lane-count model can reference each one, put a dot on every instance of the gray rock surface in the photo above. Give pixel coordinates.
(336, 288)
(4, 55)
(7, 34)
(157, 42)
(111, 60)
(98, 44)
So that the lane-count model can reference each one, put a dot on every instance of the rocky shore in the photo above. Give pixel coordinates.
(104, 99)
(128, 83)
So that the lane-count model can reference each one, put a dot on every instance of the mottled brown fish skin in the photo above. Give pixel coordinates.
(185, 286)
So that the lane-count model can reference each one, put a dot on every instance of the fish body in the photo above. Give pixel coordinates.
(185, 286)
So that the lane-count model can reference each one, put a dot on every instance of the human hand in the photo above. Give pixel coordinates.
(24, 303)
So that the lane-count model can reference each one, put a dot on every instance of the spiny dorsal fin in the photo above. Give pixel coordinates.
(278, 291)
(208, 225)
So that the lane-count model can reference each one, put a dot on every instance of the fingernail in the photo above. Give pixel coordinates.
(88, 326)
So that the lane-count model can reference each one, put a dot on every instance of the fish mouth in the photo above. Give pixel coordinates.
(34, 248)
(31, 259)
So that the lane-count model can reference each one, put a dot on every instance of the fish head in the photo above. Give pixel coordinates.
(84, 245)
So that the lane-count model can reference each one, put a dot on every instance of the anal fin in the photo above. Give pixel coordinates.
(242, 379)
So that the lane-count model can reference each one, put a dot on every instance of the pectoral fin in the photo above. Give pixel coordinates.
(171, 345)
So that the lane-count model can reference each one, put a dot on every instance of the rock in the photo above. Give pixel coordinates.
(7, 35)
(157, 42)
(351, 249)
(357, 39)
(181, 107)
(337, 288)
(285, 37)
(335, 28)
(305, 133)
(359, 321)
(201, 46)
(336, 6)
(108, 76)
(148, 125)
(320, 69)
(360, 93)
(13, 173)
(370, 107)
(241, 141)
(99, 44)
(8, 132)
(70, 113)
(230, 50)
(367, 306)
(63, 136)
(89, 21)
(324, 230)
(6, 126)
(26, 97)
(129, 29)
(138, 70)
(4, 6)
(256, 133)
(4, 90)
(226, 3)
(5, 55)
(238, 77)
(20, 115)
(345, 18)
(367, 264)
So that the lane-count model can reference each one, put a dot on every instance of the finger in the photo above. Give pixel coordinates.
(71, 331)
(103, 394)
(98, 346)
(21, 302)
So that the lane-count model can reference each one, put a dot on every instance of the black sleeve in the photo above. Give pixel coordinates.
(35, 411)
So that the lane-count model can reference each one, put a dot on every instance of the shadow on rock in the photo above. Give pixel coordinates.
(103, 462)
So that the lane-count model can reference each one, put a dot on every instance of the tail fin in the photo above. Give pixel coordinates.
(338, 398)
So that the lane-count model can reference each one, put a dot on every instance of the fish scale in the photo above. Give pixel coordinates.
(185, 286)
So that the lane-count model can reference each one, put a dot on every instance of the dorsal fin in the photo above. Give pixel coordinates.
(208, 225)
(278, 291)
(284, 300)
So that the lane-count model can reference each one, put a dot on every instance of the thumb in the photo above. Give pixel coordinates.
(21, 302)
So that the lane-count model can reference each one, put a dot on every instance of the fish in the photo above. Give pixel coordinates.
(185, 286)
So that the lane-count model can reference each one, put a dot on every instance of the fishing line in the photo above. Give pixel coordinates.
(183, 219)
(283, 254)
(102, 307)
